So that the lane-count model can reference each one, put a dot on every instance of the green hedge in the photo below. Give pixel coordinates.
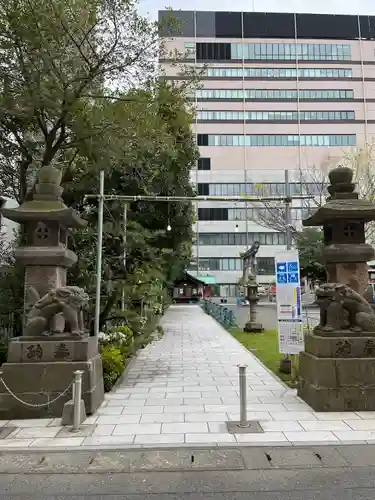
(118, 344)
(114, 364)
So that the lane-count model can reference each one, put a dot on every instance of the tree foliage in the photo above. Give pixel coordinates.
(79, 90)
(56, 61)
(310, 248)
(312, 181)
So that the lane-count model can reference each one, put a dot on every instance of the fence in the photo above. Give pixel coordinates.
(8, 327)
(222, 314)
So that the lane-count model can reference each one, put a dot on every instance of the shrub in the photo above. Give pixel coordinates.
(120, 337)
(113, 365)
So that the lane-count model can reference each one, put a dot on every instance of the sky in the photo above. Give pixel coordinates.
(151, 7)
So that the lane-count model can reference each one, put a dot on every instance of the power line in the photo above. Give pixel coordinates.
(186, 199)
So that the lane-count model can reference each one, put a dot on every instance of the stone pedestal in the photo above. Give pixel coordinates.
(38, 369)
(253, 327)
(337, 371)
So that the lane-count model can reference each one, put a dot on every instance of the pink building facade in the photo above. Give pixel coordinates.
(278, 92)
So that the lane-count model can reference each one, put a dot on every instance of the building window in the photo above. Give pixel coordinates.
(203, 189)
(204, 164)
(202, 140)
(334, 73)
(274, 116)
(265, 265)
(258, 189)
(290, 51)
(213, 51)
(252, 214)
(189, 50)
(275, 95)
(212, 214)
(223, 239)
(280, 140)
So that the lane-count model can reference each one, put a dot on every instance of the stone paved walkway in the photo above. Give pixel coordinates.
(181, 390)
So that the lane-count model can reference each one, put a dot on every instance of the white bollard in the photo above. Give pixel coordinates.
(77, 396)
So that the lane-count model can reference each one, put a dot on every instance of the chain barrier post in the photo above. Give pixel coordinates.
(32, 405)
(77, 396)
(243, 398)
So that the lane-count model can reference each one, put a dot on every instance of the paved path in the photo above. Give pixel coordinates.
(182, 389)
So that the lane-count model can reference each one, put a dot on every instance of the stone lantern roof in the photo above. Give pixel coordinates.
(46, 204)
(343, 202)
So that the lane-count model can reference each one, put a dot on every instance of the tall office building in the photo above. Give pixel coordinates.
(278, 92)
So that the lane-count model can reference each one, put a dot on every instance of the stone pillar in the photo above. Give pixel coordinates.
(353, 274)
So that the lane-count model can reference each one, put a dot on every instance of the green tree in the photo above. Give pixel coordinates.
(155, 256)
(56, 60)
(309, 243)
(63, 70)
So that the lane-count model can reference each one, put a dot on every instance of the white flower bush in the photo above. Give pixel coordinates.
(116, 336)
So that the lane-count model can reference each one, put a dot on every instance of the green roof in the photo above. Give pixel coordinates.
(207, 280)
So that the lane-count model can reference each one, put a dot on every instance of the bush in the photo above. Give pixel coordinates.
(119, 343)
(113, 365)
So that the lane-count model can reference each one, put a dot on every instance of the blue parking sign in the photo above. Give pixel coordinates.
(281, 278)
(292, 267)
(293, 278)
(281, 267)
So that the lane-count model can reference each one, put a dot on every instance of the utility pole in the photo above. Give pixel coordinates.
(125, 223)
(99, 252)
(288, 223)
(288, 212)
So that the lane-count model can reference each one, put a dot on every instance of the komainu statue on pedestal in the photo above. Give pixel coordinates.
(70, 301)
(342, 308)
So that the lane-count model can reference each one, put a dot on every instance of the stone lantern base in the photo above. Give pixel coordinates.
(337, 373)
(39, 369)
(253, 327)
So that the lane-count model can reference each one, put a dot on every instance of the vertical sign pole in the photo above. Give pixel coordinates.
(125, 223)
(288, 222)
(99, 253)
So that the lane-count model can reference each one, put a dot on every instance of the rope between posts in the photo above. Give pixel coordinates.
(35, 405)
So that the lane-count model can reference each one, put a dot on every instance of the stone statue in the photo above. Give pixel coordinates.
(68, 301)
(342, 308)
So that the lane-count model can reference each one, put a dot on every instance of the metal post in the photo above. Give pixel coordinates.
(99, 250)
(243, 399)
(288, 212)
(125, 222)
(288, 223)
(77, 396)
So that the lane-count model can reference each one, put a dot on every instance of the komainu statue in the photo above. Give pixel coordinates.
(342, 308)
(70, 301)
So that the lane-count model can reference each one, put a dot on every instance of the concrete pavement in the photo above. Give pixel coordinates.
(181, 390)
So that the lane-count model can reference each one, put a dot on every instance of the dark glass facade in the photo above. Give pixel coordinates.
(272, 25)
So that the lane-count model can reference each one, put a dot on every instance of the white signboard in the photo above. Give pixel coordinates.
(288, 302)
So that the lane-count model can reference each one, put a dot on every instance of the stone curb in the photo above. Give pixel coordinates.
(186, 459)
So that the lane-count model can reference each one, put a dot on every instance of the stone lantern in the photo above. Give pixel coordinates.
(44, 254)
(251, 285)
(337, 368)
(55, 343)
(343, 218)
